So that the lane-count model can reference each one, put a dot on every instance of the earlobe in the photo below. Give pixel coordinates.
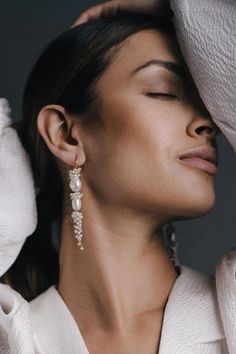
(55, 125)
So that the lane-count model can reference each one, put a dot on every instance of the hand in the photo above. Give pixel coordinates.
(114, 7)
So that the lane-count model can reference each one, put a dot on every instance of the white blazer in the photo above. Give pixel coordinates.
(192, 321)
(200, 315)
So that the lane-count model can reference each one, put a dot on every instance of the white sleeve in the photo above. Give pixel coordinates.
(15, 326)
(206, 31)
(18, 214)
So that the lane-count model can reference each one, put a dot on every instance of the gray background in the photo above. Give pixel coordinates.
(25, 28)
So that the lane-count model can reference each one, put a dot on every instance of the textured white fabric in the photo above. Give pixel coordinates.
(61, 335)
(18, 216)
(191, 325)
(226, 291)
(206, 30)
(192, 322)
(15, 327)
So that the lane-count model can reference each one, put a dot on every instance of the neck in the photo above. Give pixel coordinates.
(123, 274)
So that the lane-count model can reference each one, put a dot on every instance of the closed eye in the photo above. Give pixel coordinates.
(161, 94)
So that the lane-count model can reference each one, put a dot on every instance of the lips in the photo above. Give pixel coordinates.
(203, 157)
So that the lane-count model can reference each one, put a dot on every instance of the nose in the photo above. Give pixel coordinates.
(203, 126)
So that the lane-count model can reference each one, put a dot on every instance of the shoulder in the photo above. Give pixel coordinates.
(205, 306)
(225, 277)
(21, 322)
(192, 319)
(195, 293)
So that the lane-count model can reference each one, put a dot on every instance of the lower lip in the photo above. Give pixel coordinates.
(201, 164)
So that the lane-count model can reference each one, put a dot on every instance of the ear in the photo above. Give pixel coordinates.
(61, 134)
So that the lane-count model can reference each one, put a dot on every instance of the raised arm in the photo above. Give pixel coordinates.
(17, 202)
(206, 30)
(17, 221)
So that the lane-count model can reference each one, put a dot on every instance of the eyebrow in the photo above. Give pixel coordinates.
(169, 65)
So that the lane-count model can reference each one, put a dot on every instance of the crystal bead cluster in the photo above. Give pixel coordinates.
(172, 245)
(75, 186)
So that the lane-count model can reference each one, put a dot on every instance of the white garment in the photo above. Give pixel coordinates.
(18, 215)
(198, 320)
(191, 325)
(206, 31)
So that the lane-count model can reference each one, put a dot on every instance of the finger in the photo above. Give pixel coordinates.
(102, 10)
(91, 14)
(82, 19)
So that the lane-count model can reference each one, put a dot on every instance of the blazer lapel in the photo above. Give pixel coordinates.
(226, 291)
(192, 322)
(54, 328)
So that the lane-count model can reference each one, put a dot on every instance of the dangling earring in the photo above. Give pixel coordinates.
(75, 185)
(172, 246)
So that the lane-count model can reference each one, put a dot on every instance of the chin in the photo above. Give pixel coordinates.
(197, 194)
(201, 204)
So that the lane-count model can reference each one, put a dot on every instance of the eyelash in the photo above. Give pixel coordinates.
(160, 94)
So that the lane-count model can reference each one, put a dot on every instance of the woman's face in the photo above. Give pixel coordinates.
(152, 114)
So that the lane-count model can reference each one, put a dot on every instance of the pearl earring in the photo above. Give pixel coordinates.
(172, 246)
(75, 185)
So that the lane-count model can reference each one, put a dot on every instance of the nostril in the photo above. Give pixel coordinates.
(204, 130)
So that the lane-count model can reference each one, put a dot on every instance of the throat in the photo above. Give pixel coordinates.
(117, 295)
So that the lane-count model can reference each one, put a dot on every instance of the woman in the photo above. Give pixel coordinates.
(95, 119)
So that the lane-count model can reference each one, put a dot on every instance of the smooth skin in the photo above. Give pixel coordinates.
(133, 183)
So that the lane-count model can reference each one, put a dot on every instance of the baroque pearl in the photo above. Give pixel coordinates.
(76, 204)
(75, 184)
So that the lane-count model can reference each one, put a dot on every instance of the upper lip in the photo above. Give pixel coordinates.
(204, 152)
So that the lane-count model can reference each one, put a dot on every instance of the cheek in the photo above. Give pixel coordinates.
(135, 162)
(134, 153)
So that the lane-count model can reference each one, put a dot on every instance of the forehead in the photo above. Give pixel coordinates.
(139, 48)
